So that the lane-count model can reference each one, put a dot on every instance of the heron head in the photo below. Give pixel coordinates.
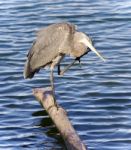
(84, 39)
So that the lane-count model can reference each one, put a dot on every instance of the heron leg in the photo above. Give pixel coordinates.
(52, 81)
(59, 69)
(54, 63)
(67, 67)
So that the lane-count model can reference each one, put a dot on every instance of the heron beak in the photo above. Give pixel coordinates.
(94, 50)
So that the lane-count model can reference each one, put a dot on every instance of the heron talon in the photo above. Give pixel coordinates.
(50, 107)
(54, 105)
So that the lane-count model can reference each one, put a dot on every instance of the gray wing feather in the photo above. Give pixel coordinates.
(50, 42)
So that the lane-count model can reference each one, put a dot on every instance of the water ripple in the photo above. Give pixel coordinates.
(97, 95)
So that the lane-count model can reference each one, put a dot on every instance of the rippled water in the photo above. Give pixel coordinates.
(97, 96)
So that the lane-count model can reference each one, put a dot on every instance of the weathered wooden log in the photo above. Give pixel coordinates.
(60, 119)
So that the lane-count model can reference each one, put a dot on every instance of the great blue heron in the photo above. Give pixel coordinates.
(52, 44)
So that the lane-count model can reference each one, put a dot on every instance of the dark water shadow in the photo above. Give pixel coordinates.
(51, 131)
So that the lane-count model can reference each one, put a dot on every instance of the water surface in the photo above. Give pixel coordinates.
(97, 96)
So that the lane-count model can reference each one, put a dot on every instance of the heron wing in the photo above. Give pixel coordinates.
(50, 42)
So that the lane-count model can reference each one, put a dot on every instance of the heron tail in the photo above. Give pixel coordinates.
(28, 73)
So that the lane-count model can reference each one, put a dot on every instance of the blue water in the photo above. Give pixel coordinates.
(97, 96)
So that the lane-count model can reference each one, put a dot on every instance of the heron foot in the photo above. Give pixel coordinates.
(54, 105)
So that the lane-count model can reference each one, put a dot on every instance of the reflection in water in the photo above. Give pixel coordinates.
(48, 125)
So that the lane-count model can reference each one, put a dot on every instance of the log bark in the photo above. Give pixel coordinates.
(60, 119)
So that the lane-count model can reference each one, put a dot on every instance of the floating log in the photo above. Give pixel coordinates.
(60, 119)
